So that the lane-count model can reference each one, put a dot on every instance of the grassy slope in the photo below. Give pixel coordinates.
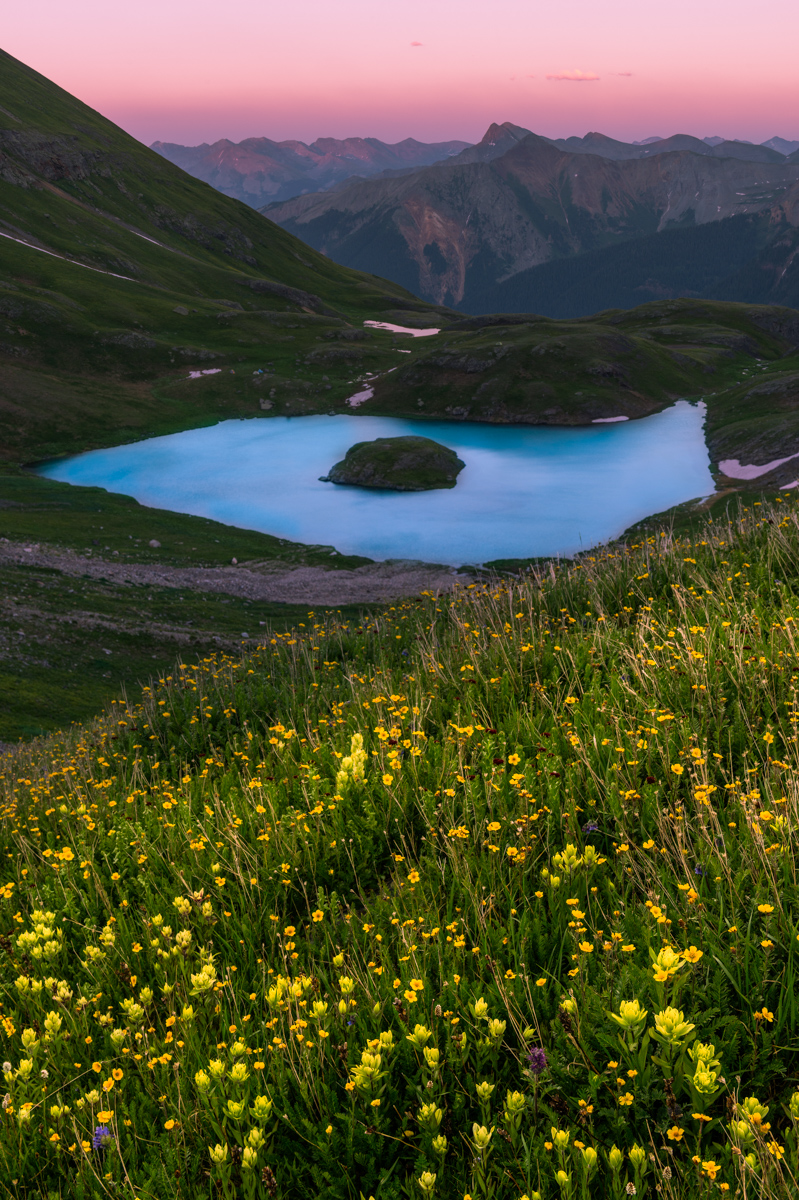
(58, 666)
(71, 645)
(81, 351)
(564, 779)
(89, 360)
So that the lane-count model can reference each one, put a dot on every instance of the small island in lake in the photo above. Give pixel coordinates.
(398, 464)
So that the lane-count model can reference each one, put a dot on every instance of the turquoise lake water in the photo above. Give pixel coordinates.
(523, 492)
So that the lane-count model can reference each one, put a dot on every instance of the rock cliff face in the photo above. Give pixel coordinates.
(401, 464)
(454, 232)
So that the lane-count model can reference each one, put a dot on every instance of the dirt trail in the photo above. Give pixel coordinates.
(271, 581)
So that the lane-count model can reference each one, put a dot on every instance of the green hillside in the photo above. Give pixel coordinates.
(158, 273)
(741, 360)
(492, 895)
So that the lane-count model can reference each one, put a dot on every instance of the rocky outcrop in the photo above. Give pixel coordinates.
(401, 464)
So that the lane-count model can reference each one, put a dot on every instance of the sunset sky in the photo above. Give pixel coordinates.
(197, 70)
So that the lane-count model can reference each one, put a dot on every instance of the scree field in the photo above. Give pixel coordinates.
(492, 896)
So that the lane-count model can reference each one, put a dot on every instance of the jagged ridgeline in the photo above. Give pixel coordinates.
(519, 223)
(492, 894)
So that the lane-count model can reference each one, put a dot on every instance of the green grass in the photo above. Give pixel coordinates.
(420, 858)
(89, 357)
(91, 519)
(71, 645)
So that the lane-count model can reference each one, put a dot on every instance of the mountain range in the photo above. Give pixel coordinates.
(259, 170)
(523, 223)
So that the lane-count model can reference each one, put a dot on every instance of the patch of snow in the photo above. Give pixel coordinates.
(785, 486)
(149, 239)
(401, 329)
(73, 262)
(360, 397)
(736, 470)
(607, 420)
(207, 371)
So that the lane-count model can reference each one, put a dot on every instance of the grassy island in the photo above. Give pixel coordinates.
(399, 464)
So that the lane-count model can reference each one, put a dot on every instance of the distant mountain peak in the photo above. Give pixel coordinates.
(781, 145)
(505, 132)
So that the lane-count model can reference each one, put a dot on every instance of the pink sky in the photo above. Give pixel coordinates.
(197, 70)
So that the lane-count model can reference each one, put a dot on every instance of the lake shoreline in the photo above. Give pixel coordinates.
(525, 493)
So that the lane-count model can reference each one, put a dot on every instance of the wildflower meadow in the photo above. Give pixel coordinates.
(490, 895)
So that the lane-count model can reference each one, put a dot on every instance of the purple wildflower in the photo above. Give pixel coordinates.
(590, 827)
(101, 1135)
(699, 869)
(537, 1060)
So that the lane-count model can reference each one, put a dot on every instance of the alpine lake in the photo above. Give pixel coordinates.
(524, 492)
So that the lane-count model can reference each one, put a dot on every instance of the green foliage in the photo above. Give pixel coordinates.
(535, 933)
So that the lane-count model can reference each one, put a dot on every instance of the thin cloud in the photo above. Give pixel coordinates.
(575, 76)
(417, 43)
(625, 74)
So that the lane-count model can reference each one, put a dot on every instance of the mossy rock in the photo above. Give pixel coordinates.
(399, 464)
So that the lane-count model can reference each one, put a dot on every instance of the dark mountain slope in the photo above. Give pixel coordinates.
(606, 147)
(782, 145)
(692, 260)
(599, 143)
(495, 142)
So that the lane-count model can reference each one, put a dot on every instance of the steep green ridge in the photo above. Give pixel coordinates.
(159, 273)
(492, 895)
